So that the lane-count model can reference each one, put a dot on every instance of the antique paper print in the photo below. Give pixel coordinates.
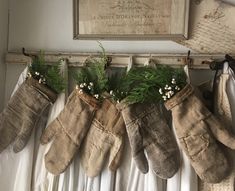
(212, 28)
(130, 18)
(124, 16)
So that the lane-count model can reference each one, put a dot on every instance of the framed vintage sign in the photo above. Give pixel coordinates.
(131, 19)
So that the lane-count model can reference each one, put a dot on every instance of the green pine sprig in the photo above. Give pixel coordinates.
(93, 78)
(118, 86)
(171, 80)
(143, 84)
(54, 78)
(50, 76)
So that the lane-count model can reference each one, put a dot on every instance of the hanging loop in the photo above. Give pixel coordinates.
(130, 63)
(188, 66)
(150, 62)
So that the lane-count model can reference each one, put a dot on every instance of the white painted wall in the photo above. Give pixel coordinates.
(3, 46)
(47, 25)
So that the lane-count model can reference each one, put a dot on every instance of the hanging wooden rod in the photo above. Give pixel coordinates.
(198, 61)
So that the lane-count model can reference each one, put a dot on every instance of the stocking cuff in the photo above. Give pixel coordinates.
(122, 105)
(88, 99)
(179, 97)
(43, 89)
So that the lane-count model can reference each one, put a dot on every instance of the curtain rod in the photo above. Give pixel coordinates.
(198, 61)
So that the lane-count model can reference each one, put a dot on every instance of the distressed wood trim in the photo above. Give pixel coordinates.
(199, 61)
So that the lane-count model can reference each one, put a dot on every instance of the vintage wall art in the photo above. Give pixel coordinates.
(131, 19)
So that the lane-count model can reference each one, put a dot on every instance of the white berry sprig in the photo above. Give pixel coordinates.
(87, 88)
(39, 77)
(169, 91)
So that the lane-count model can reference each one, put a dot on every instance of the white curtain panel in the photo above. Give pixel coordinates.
(186, 178)
(26, 170)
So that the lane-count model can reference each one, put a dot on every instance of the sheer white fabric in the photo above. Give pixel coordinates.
(186, 178)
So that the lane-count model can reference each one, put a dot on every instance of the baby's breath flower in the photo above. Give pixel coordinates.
(173, 81)
(171, 93)
(164, 98)
(96, 96)
(81, 85)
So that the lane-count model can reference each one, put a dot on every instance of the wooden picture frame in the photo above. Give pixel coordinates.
(131, 19)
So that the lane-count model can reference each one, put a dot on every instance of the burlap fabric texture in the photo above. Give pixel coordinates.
(148, 131)
(105, 140)
(223, 111)
(29, 104)
(68, 131)
(197, 130)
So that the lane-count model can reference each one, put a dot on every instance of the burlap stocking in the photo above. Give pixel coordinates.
(68, 131)
(223, 111)
(197, 130)
(105, 140)
(30, 102)
(148, 131)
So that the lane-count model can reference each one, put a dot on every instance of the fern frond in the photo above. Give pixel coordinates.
(94, 73)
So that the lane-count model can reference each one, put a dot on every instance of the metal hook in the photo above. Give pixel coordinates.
(108, 62)
(189, 60)
(29, 55)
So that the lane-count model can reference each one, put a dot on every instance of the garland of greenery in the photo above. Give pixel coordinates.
(48, 75)
(153, 84)
(137, 86)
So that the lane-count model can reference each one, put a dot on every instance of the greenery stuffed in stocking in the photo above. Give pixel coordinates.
(30, 103)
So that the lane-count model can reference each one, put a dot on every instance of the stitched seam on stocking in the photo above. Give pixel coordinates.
(142, 115)
(67, 134)
(104, 130)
